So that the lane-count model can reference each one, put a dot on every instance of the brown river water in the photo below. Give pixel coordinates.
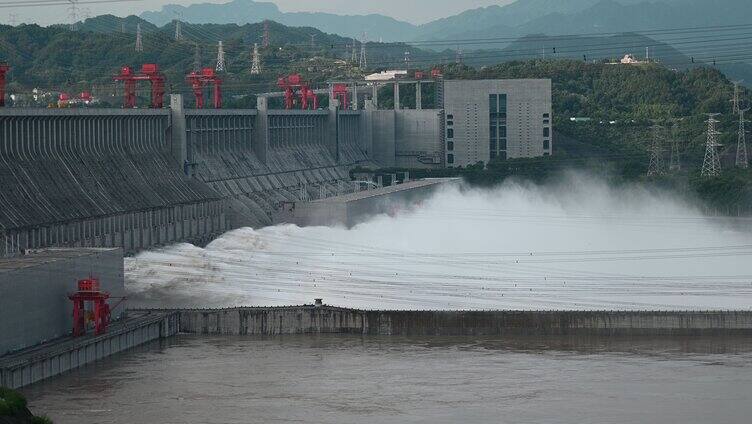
(348, 379)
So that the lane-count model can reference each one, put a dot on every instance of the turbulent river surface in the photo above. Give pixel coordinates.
(579, 244)
(347, 379)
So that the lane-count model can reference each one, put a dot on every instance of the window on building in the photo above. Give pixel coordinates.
(546, 132)
(546, 154)
(493, 103)
(492, 132)
(492, 145)
(546, 144)
(493, 154)
(450, 116)
(502, 102)
(545, 115)
(546, 121)
(503, 131)
(450, 123)
(503, 155)
(450, 145)
(450, 158)
(450, 133)
(503, 144)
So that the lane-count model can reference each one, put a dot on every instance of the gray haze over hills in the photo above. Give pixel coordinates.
(521, 17)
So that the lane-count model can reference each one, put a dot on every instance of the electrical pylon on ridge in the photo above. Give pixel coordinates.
(741, 144)
(265, 38)
(255, 61)
(220, 58)
(711, 165)
(656, 152)
(736, 99)
(675, 161)
(139, 39)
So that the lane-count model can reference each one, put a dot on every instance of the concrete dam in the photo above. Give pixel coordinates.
(141, 178)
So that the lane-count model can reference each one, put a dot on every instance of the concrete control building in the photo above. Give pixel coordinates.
(492, 119)
(475, 121)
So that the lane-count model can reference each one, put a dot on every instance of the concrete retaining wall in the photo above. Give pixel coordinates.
(56, 358)
(310, 319)
(34, 304)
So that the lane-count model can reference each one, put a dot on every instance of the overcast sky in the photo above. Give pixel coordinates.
(416, 11)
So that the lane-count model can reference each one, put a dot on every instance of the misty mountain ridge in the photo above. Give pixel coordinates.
(249, 11)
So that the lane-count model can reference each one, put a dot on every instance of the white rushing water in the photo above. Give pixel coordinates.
(577, 245)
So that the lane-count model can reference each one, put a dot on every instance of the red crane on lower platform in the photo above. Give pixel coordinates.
(149, 72)
(99, 313)
(198, 80)
(4, 68)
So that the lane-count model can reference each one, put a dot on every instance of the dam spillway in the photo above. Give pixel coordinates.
(136, 179)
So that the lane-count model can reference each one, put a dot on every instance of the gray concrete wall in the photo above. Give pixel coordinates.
(34, 306)
(141, 178)
(384, 142)
(310, 319)
(352, 209)
(418, 142)
(57, 358)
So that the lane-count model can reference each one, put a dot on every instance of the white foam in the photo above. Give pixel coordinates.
(576, 245)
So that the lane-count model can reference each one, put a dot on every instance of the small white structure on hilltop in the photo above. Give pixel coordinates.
(387, 75)
(629, 59)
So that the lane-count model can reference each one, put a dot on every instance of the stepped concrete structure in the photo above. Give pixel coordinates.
(139, 178)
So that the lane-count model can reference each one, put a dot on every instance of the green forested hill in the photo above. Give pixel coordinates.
(58, 59)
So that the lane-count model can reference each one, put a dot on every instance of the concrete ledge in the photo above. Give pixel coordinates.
(54, 358)
(325, 319)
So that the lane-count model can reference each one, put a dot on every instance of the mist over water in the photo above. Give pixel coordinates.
(577, 244)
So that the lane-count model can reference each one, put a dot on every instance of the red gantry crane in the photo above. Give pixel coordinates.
(294, 85)
(99, 313)
(198, 80)
(4, 68)
(149, 72)
(339, 91)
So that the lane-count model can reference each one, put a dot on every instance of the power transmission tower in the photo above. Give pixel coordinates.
(220, 58)
(256, 61)
(741, 144)
(122, 27)
(735, 100)
(354, 57)
(197, 59)
(675, 162)
(265, 40)
(656, 152)
(711, 166)
(313, 40)
(139, 39)
(407, 61)
(178, 31)
(363, 59)
(458, 58)
(73, 13)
